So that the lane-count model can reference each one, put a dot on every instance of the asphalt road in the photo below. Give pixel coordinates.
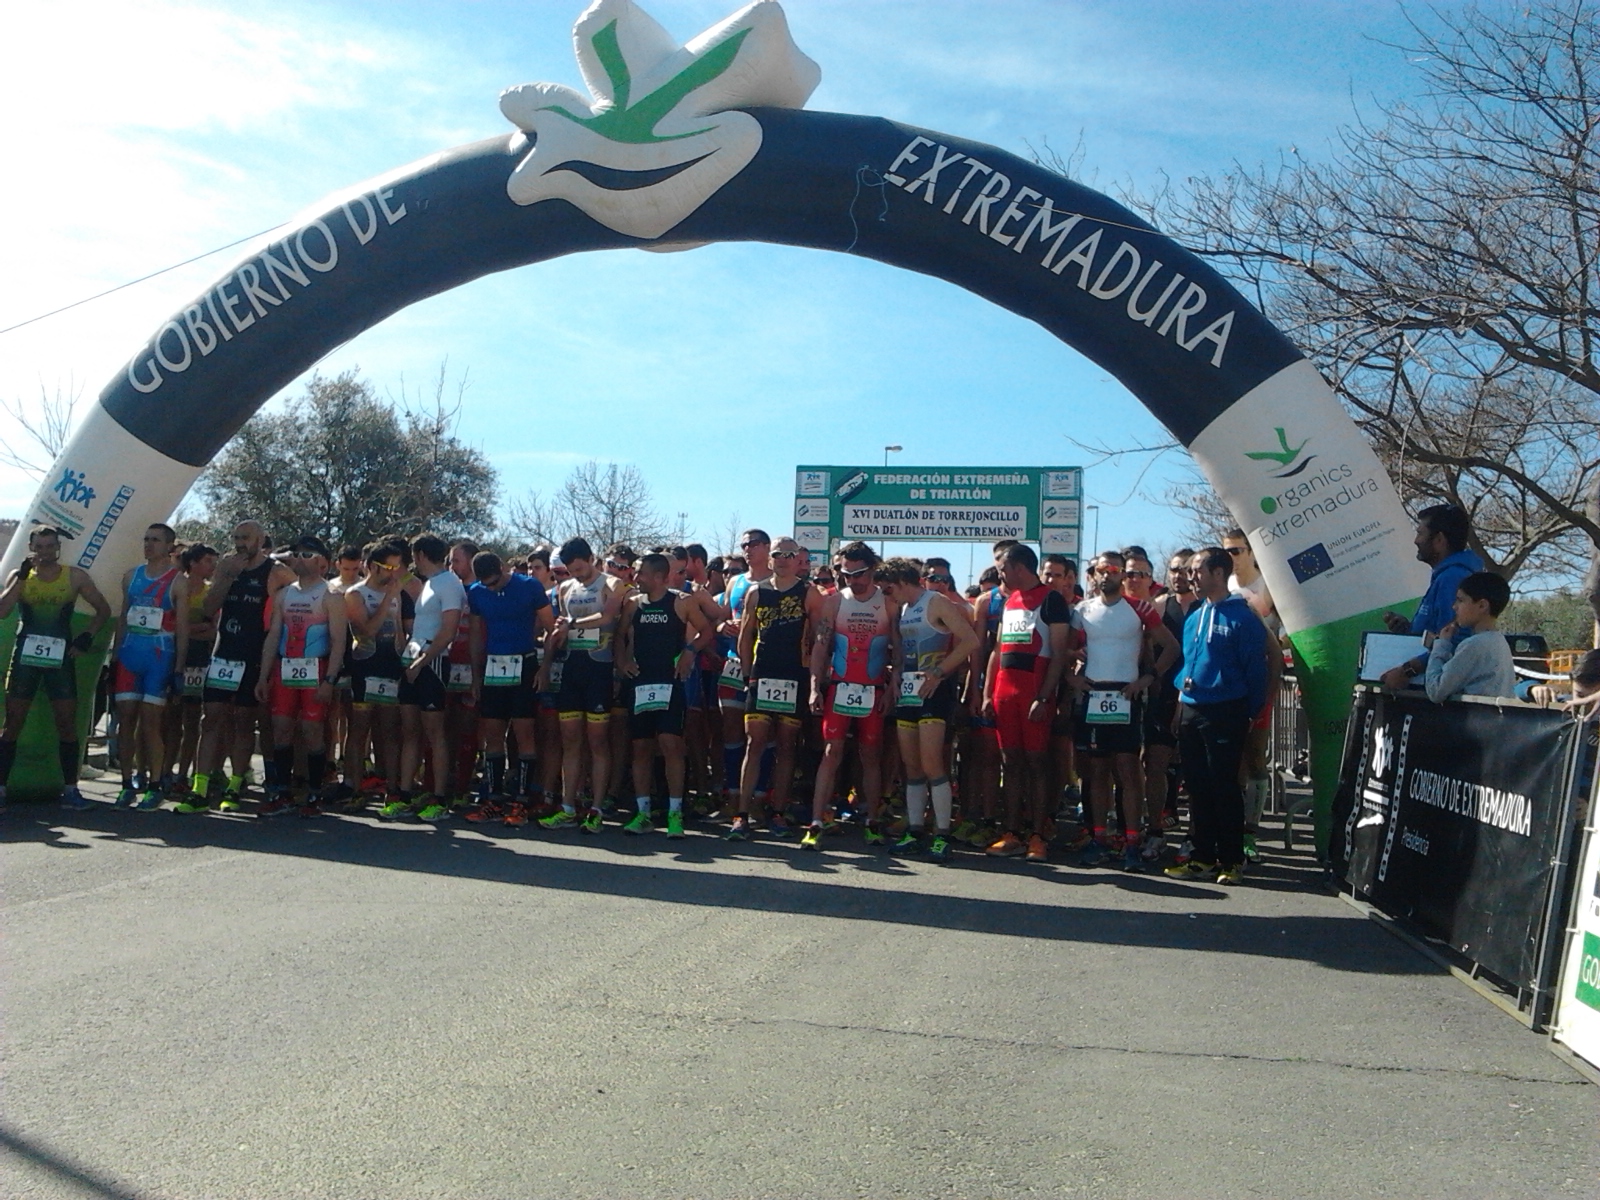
(211, 1007)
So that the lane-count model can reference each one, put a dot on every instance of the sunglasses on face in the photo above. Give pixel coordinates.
(749, 545)
(785, 554)
(843, 574)
(1137, 574)
(616, 566)
(1235, 550)
(306, 554)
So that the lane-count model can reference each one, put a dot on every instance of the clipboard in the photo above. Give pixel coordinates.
(1381, 652)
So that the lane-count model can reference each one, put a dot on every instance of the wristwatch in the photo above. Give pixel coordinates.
(1411, 669)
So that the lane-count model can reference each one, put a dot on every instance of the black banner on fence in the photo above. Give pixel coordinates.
(1448, 815)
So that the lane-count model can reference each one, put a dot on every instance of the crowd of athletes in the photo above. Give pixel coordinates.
(757, 693)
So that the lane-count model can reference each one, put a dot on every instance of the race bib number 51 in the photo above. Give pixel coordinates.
(37, 650)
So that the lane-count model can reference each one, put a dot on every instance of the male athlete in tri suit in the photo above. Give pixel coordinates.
(660, 637)
(46, 592)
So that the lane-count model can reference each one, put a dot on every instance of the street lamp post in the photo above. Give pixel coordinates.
(887, 450)
(1094, 539)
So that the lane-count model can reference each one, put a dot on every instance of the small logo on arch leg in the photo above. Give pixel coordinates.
(659, 135)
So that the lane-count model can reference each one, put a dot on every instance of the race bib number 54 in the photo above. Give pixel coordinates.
(853, 699)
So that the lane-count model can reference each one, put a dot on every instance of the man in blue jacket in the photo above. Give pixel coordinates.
(1441, 542)
(1222, 684)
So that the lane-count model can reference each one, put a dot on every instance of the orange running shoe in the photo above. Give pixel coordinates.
(1009, 846)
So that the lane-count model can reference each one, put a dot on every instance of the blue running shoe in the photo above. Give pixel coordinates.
(149, 802)
(71, 798)
(1092, 855)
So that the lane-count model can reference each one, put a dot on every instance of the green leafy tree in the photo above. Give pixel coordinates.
(349, 466)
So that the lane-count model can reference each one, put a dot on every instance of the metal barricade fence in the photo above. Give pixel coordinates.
(1289, 765)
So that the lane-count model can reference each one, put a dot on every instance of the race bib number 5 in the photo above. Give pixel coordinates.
(853, 699)
(777, 696)
(382, 691)
(1109, 708)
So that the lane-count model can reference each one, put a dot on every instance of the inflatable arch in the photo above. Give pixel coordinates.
(680, 146)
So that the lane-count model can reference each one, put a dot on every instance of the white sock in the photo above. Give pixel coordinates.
(570, 809)
(941, 802)
(674, 803)
(917, 802)
(644, 805)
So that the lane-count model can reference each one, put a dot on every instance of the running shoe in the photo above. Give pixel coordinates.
(1092, 854)
(487, 811)
(909, 843)
(194, 802)
(1250, 852)
(275, 805)
(872, 836)
(1230, 874)
(1191, 869)
(516, 815)
(739, 831)
(127, 797)
(311, 808)
(434, 811)
(71, 798)
(1008, 845)
(560, 819)
(778, 828)
(150, 801)
(229, 802)
(641, 823)
(548, 809)
(592, 820)
(939, 849)
(1038, 849)
(395, 809)
(1115, 841)
(811, 839)
(1152, 846)
(1078, 841)
(373, 785)
(964, 831)
(1132, 858)
(675, 823)
(355, 802)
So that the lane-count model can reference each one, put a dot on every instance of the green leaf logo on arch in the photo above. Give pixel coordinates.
(658, 135)
(1285, 456)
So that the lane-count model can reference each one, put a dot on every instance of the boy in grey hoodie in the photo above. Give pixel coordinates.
(1481, 665)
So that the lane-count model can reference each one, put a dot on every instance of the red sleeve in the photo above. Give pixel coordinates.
(1148, 617)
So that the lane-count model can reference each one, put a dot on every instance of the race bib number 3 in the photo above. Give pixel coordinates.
(382, 691)
(300, 672)
(910, 689)
(502, 670)
(460, 678)
(1109, 708)
(1017, 626)
(777, 696)
(853, 699)
(224, 674)
(652, 697)
(143, 618)
(37, 650)
(733, 673)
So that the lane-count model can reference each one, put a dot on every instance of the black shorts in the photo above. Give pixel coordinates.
(245, 695)
(937, 707)
(586, 686)
(363, 672)
(668, 720)
(426, 691)
(514, 702)
(1161, 705)
(59, 683)
(1097, 738)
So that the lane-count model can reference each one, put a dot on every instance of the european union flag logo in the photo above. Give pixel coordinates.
(1310, 563)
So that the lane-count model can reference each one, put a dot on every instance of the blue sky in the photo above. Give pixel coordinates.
(143, 132)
